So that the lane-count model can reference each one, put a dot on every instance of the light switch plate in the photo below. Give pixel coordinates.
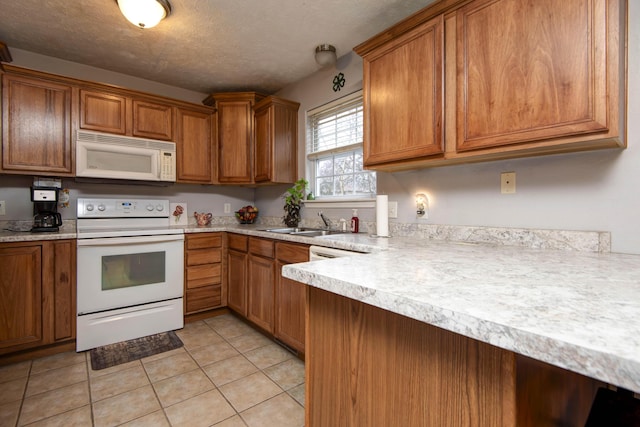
(508, 182)
(393, 209)
(227, 208)
(3, 209)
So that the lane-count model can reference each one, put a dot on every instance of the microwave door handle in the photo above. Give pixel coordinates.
(137, 240)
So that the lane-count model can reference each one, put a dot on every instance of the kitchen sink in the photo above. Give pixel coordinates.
(304, 231)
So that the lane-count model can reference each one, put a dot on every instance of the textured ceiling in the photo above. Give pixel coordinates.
(205, 45)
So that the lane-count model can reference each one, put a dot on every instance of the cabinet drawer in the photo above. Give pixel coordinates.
(203, 275)
(203, 298)
(237, 242)
(203, 256)
(204, 241)
(262, 247)
(291, 253)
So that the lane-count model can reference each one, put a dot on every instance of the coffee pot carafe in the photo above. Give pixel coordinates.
(45, 209)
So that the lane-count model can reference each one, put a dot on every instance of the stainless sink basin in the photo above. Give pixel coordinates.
(304, 231)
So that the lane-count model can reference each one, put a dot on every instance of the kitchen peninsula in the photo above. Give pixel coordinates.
(471, 334)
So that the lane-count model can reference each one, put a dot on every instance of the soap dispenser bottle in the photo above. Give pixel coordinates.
(355, 221)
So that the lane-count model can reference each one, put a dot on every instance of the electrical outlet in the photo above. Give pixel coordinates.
(393, 209)
(227, 208)
(508, 182)
(3, 209)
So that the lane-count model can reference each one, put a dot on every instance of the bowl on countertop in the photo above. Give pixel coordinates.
(247, 215)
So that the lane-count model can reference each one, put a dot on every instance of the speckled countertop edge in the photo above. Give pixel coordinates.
(578, 311)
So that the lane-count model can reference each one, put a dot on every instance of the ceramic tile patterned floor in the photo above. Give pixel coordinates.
(226, 375)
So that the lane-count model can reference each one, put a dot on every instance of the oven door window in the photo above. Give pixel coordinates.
(130, 270)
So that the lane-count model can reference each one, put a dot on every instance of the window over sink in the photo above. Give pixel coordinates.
(334, 151)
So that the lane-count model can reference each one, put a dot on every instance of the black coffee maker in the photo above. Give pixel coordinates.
(45, 210)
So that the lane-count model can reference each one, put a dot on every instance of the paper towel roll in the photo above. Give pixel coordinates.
(382, 216)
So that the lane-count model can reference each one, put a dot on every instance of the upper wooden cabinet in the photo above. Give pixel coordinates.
(276, 140)
(194, 146)
(117, 113)
(520, 78)
(256, 138)
(234, 135)
(37, 121)
(403, 96)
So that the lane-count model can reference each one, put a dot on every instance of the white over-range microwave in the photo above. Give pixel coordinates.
(101, 155)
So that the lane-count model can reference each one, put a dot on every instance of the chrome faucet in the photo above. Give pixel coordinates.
(327, 221)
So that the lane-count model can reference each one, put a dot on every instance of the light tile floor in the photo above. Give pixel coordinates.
(227, 375)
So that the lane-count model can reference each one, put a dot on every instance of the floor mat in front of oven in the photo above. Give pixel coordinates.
(127, 351)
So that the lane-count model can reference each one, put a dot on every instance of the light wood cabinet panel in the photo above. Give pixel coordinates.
(276, 130)
(261, 291)
(374, 367)
(235, 135)
(152, 120)
(237, 281)
(540, 74)
(203, 272)
(125, 114)
(37, 294)
(194, 146)
(21, 297)
(469, 81)
(290, 297)
(64, 289)
(103, 112)
(403, 96)
(37, 121)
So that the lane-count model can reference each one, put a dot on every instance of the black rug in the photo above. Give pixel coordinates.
(127, 351)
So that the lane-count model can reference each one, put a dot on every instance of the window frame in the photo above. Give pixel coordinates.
(312, 157)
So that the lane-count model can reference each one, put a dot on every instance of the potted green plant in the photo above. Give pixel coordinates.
(293, 202)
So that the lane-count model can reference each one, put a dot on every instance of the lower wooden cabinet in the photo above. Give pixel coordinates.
(237, 273)
(37, 294)
(290, 296)
(258, 292)
(203, 272)
(261, 283)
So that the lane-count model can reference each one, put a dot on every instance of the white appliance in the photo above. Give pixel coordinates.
(101, 155)
(320, 252)
(130, 271)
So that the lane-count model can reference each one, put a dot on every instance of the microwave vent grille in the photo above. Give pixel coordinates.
(104, 138)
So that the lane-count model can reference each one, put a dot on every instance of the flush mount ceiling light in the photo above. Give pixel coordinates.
(144, 13)
(325, 55)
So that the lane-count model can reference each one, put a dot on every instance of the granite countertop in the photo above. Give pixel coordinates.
(578, 311)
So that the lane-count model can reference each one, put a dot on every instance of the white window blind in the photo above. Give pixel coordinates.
(334, 150)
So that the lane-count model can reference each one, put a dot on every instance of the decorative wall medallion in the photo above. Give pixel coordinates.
(338, 82)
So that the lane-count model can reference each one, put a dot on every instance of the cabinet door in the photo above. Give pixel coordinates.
(36, 126)
(276, 131)
(263, 165)
(194, 150)
(530, 71)
(261, 291)
(64, 289)
(237, 281)
(290, 297)
(152, 120)
(235, 138)
(20, 297)
(103, 112)
(403, 97)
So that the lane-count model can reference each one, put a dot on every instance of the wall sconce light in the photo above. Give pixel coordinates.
(326, 55)
(422, 205)
(144, 13)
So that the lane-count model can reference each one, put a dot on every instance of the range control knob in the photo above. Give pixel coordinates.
(159, 208)
(101, 208)
(149, 208)
(89, 207)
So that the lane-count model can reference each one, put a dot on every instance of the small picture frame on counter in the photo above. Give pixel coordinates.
(178, 214)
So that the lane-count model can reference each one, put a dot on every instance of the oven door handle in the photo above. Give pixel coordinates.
(137, 240)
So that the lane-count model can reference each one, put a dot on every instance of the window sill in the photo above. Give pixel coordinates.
(341, 203)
